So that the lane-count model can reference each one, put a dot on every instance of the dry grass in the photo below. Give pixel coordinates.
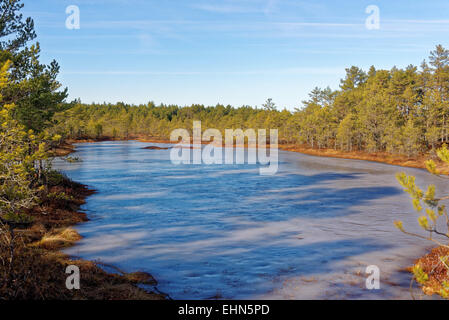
(59, 239)
(38, 269)
(383, 157)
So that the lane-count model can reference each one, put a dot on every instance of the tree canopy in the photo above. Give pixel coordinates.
(33, 86)
(400, 111)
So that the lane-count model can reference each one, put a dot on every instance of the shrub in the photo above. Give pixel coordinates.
(432, 271)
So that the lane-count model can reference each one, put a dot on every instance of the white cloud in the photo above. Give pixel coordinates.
(225, 8)
(287, 71)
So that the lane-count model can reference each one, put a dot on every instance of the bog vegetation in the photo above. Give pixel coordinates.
(398, 111)
(431, 271)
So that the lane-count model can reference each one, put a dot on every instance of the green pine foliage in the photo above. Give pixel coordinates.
(33, 86)
(431, 209)
(24, 160)
(399, 111)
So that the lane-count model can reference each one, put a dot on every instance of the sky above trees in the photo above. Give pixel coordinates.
(230, 52)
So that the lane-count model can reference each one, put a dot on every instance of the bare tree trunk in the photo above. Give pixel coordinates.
(442, 129)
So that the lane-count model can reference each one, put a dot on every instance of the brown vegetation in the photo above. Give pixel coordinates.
(383, 157)
(38, 270)
(436, 270)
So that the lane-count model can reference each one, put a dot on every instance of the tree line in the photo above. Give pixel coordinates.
(399, 111)
(402, 111)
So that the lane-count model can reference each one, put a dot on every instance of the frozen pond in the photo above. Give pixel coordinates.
(225, 231)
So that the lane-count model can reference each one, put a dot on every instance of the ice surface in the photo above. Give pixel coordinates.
(224, 231)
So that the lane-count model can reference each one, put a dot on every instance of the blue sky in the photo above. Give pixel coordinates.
(228, 51)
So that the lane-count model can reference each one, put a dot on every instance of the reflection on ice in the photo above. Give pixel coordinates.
(144, 195)
(225, 231)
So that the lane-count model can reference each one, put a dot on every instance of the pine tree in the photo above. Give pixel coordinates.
(34, 88)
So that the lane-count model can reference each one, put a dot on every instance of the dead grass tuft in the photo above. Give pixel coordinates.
(59, 239)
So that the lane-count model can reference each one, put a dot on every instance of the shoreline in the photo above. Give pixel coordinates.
(380, 157)
(129, 281)
(53, 230)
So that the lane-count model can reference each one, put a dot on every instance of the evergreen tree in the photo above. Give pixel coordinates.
(34, 88)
